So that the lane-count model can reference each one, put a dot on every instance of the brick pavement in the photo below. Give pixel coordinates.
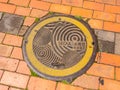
(104, 18)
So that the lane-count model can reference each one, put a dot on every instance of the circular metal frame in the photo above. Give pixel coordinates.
(65, 74)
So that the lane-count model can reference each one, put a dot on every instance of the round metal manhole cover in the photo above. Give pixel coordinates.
(60, 47)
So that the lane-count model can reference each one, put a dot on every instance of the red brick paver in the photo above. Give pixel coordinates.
(19, 11)
(112, 9)
(14, 79)
(87, 81)
(36, 83)
(8, 64)
(13, 40)
(23, 68)
(107, 1)
(4, 8)
(20, 2)
(110, 85)
(101, 70)
(3, 0)
(93, 5)
(39, 4)
(117, 73)
(82, 12)
(112, 60)
(97, 24)
(77, 3)
(62, 86)
(111, 26)
(60, 8)
(104, 16)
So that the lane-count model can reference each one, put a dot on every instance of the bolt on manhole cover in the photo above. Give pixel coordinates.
(60, 47)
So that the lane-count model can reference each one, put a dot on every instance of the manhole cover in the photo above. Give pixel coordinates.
(60, 47)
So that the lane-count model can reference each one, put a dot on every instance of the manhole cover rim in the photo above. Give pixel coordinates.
(73, 75)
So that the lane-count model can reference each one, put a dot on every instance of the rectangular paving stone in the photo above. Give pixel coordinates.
(112, 26)
(117, 71)
(77, 3)
(110, 85)
(96, 24)
(106, 46)
(112, 9)
(3, 87)
(60, 8)
(22, 11)
(107, 1)
(20, 2)
(117, 43)
(105, 35)
(104, 16)
(93, 5)
(8, 64)
(87, 81)
(102, 70)
(81, 12)
(61, 86)
(11, 23)
(38, 13)
(23, 68)
(7, 8)
(17, 53)
(13, 40)
(36, 83)
(14, 79)
(40, 4)
(5, 50)
(4, 1)
(110, 59)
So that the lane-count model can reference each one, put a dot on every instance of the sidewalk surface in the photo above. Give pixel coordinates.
(19, 15)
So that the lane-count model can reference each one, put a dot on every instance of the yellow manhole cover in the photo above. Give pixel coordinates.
(60, 47)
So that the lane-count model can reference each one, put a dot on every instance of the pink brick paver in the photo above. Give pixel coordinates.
(17, 53)
(102, 70)
(29, 21)
(62, 86)
(5, 50)
(3, 87)
(13, 40)
(36, 83)
(8, 64)
(87, 81)
(23, 68)
(14, 79)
